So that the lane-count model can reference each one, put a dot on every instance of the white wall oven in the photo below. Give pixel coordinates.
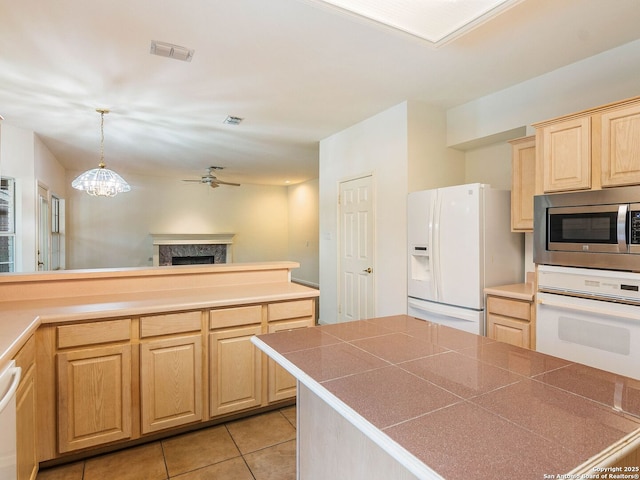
(591, 317)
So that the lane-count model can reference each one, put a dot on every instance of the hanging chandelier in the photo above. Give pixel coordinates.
(101, 182)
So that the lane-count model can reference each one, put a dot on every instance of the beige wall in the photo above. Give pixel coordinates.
(303, 231)
(490, 164)
(430, 163)
(115, 232)
(48, 170)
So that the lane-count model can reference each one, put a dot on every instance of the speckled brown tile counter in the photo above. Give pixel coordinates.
(463, 405)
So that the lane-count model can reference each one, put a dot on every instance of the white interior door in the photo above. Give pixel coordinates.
(356, 271)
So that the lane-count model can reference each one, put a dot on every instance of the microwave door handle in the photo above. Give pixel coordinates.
(621, 228)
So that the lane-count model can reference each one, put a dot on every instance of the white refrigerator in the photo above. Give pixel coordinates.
(460, 242)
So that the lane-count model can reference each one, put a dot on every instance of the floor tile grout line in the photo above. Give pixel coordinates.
(83, 474)
(239, 451)
(164, 460)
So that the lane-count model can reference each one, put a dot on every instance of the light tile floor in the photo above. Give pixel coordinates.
(261, 447)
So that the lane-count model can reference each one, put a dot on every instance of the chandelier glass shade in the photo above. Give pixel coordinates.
(101, 182)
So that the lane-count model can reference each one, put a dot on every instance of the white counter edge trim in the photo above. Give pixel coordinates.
(397, 452)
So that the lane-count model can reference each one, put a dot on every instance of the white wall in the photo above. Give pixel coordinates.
(403, 148)
(115, 232)
(18, 163)
(610, 76)
(376, 146)
(48, 170)
(303, 231)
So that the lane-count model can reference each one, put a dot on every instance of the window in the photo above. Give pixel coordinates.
(7, 225)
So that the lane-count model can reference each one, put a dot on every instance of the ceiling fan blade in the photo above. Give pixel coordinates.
(228, 183)
(214, 184)
(185, 180)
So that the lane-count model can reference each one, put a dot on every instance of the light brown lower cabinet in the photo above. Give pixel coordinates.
(110, 381)
(511, 321)
(27, 458)
(282, 385)
(94, 396)
(235, 370)
(170, 382)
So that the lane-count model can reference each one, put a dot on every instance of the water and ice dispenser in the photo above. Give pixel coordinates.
(419, 270)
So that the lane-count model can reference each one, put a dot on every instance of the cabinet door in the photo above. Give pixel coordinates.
(620, 146)
(523, 165)
(509, 330)
(26, 429)
(566, 155)
(509, 320)
(170, 382)
(27, 461)
(94, 396)
(281, 384)
(235, 367)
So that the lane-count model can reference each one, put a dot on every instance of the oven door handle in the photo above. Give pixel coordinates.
(621, 228)
(587, 309)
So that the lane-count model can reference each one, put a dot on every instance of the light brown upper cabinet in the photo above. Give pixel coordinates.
(566, 155)
(589, 150)
(523, 165)
(620, 145)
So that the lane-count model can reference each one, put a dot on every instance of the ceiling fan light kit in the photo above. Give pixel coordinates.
(101, 182)
(211, 180)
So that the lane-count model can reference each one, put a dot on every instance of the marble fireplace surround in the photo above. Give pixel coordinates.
(169, 245)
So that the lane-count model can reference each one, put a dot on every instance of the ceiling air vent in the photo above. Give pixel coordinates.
(171, 51)
(231, 120)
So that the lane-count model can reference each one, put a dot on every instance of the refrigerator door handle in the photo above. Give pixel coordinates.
(435, 242)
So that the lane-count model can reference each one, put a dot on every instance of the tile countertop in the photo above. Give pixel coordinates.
(518, 291)
(18, 320)
(462, 404)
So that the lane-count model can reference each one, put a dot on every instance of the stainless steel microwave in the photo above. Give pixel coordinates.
(593, 229)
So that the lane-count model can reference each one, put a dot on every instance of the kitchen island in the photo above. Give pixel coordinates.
(397, 397)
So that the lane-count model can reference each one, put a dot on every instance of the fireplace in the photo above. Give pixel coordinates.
(190, 249)
(193, 260)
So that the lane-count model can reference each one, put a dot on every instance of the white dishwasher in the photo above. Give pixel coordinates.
(9, 380)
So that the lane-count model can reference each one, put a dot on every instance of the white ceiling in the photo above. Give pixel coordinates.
(297, 71)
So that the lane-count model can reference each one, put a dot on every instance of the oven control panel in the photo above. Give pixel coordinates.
(607, 284)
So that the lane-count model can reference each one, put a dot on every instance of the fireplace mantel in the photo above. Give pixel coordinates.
(192, 238)
(174, 240)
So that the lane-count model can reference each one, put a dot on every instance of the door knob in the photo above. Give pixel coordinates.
(367, 270)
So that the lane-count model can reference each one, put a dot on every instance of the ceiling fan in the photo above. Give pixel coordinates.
(211, 180)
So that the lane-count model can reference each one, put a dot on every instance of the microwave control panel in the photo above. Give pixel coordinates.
(634, 224)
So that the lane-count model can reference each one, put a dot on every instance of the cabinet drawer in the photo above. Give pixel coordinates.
(27, 355)
(170, 323)
(509, 307)
(294, 309)
(231, 317)
(94, 333)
